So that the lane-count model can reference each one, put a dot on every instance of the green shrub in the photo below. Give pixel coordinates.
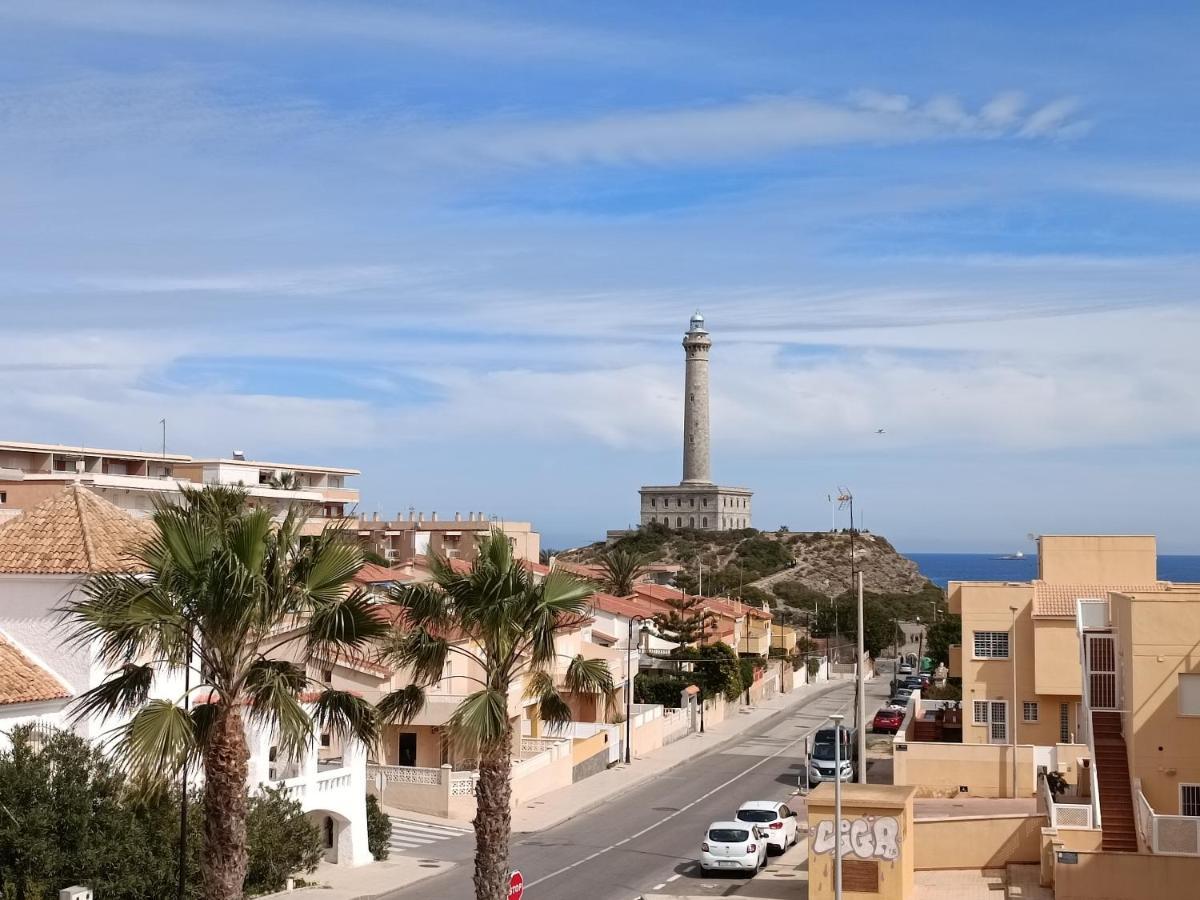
(282, 841)
(665, 690)
(379, 829)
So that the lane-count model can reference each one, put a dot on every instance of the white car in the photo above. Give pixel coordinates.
(733, 847)
(776, 818)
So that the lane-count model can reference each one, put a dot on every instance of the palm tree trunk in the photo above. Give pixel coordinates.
(493, 819)
(224, 858)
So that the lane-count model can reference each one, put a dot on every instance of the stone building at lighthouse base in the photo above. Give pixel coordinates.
(709, 507)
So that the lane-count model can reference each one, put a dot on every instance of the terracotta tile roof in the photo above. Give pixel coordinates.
(75, 532)
(626, 606)
(1059, 599)
(24, 681)
(535, 568)
(373, 574)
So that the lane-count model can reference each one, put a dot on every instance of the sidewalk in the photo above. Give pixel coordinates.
(552, 809)
(361, 883)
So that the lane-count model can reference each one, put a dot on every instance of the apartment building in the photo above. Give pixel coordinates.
(133, 480)
(1020, 657)
(414, 535)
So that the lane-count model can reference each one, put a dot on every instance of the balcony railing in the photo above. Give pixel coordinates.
(1165, 835)
(1065, 815)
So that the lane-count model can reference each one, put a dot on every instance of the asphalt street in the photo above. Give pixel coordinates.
(647, 839)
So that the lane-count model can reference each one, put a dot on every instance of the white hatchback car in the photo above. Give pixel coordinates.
(733, 847)
(779, 821)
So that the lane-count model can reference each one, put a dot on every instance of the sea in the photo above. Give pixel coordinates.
(941, 568)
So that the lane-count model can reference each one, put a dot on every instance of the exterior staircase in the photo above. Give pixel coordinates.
(1112, 777)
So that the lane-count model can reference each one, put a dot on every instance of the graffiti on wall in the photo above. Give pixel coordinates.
(868, 837)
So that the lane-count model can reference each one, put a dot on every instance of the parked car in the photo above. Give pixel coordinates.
(901, 695)
(905, 669)
(776, 818)
(733, 847)
(821, 764)
(914, 682)
(888, 720)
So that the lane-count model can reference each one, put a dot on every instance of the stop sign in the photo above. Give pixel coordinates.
(516, 886)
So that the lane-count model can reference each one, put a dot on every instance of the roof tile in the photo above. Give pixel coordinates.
(1059, 599)
(75, 532)
(24, 681)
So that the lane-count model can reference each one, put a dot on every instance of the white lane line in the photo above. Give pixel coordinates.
(659, 887)
(676, 875)
(667, 818)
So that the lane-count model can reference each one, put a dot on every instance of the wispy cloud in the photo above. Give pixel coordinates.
(750, 128)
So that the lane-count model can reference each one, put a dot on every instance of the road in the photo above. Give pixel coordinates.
(647, 839)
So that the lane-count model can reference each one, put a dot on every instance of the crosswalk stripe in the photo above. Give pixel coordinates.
(428, 829)
(411, 834)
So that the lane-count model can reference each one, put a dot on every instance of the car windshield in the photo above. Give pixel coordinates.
(823, 751)
(729, 835)
(757, 815)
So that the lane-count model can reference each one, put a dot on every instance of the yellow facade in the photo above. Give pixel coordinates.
(878, 841)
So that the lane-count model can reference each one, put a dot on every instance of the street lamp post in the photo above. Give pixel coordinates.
(837, 806)
(629, 685)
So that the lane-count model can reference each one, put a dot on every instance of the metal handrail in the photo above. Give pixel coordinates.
(1087, 711)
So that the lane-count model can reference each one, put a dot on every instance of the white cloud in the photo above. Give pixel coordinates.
(1055, 120)
(1003, 109)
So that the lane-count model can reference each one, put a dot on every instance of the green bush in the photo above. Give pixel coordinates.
(665, 690)
(379, 829)
(281, 839)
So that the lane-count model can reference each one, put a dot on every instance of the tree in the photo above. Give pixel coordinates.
(284, 481)
(504, 620)
(940, 635)
(622, 569)
(688, 621)
(224, 587)
(281, 841)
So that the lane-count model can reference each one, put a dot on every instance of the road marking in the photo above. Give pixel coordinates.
(676, 875)
(659, 887)
(678, 812)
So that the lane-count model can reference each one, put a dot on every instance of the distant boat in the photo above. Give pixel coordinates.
(1017, 555)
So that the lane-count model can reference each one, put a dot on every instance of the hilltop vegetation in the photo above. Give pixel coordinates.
(780, 567)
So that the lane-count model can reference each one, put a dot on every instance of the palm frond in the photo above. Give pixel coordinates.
(538, 683)
(425, 604)
(332, 564)
(481, 720)
(402, 706)
(588, 676)
(272, 687)
(121, 692)
(422, 653)
(348, 623)
(157, 740)
(346, 715)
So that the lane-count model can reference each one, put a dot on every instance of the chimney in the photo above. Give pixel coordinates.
(458, 517)
(420, 516)
(433, 516)
(375, 517)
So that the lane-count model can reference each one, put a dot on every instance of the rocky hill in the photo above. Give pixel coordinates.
(780, 563)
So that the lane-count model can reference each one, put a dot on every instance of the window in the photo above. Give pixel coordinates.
(679, 521)
(692, 502)
(979, 714)
(705, 501)
(991, 645)
(325, 739)
(3, 497)
(692, 522)
(704, 522)
(1064, 723)
(1029, 711)
(327, 676)
(1189, 799)
(1189, 695)
(653, 502)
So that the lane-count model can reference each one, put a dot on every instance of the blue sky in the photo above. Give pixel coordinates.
(455, 245)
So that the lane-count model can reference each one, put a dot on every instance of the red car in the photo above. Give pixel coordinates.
(887, 720)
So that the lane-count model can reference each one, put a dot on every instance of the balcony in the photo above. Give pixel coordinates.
(1165, 835)
(755, 644)
(783, 638)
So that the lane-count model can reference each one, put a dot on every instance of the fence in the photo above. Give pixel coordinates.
(1166, 835)
(1064, 815)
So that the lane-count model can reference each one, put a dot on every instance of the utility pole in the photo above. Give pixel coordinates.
(837, 806)
(860, 720)
(163, 423)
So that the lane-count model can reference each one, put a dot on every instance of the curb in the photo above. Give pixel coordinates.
(630, 785)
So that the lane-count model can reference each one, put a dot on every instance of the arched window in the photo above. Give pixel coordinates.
(328, 832)
(679, 521)
(692, 522)
(704, 522)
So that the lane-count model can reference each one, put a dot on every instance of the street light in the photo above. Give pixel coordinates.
(837, 806)
(629, 684)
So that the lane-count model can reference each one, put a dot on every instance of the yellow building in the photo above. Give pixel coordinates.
(1019, 661)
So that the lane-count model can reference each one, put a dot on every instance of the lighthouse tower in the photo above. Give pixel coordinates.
(696, 502)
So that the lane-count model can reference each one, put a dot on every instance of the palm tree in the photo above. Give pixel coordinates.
(504, 622)
(622, 569)
(284, 481)
(227, 589)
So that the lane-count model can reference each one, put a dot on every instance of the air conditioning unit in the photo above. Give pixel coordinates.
(76, 892)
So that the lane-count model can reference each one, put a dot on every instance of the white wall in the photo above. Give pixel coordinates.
(52, 713)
